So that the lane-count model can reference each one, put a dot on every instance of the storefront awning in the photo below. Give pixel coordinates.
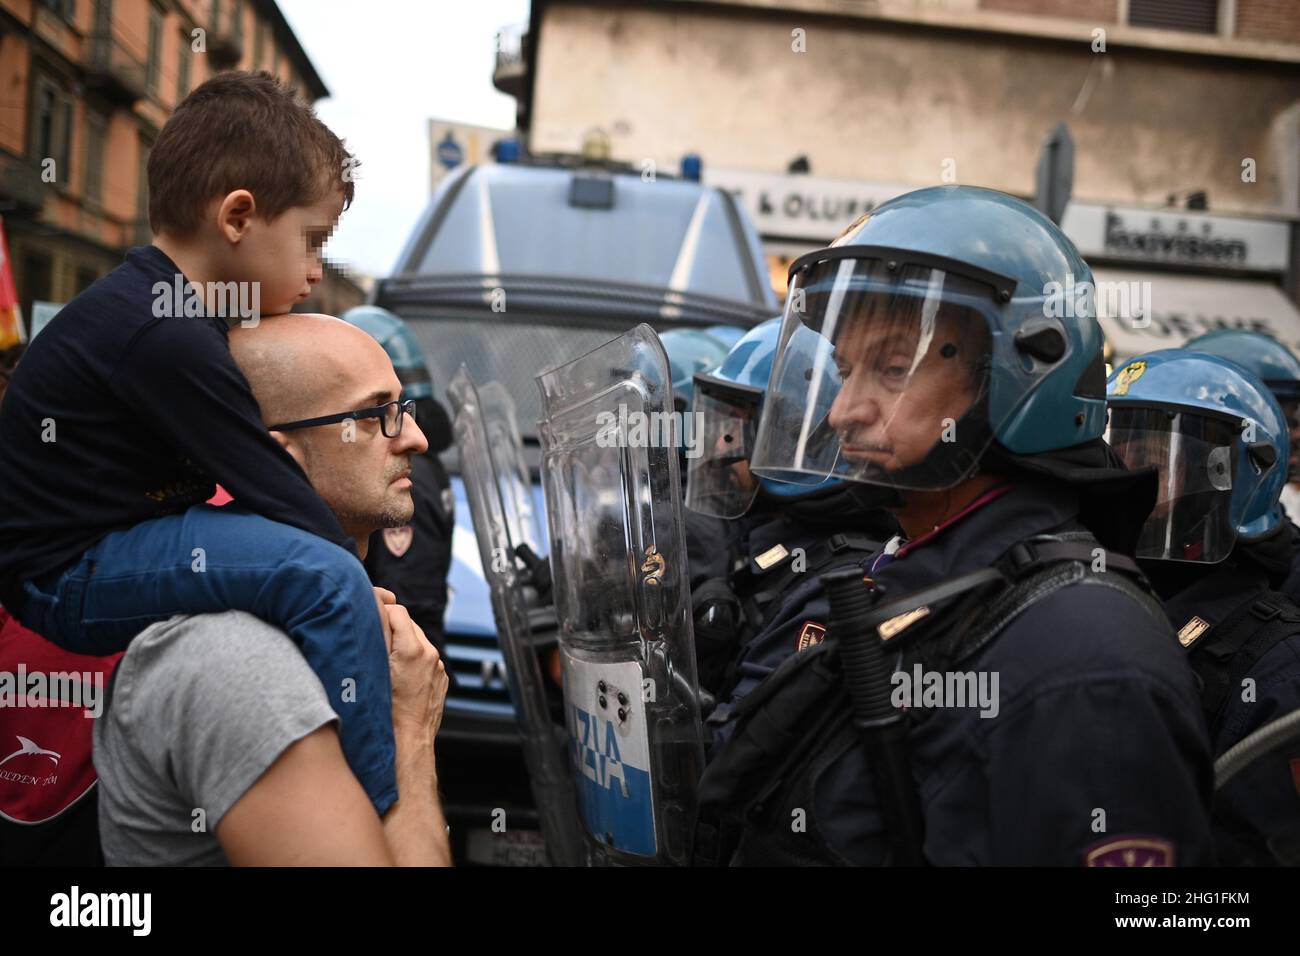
(1181, 307)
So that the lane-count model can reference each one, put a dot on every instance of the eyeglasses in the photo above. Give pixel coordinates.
(390, 415)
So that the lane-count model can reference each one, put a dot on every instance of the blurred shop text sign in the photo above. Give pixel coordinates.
(801, 206)
(456, 144)
(815, 208)
(1179, 238)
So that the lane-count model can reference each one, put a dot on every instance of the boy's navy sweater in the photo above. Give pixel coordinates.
(115, 416)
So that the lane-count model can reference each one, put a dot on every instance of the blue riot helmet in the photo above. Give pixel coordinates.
(1218, 440)
(728, 335)
(935, 328)
(1258, 353)
(1268, 360)
(729, 401)
(690, 351)
(407, 357)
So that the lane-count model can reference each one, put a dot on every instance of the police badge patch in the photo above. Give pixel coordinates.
(1131, 851)
(1128, 375)
(398, 540)
(810, 635)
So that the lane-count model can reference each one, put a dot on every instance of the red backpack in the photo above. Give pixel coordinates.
(47, 779)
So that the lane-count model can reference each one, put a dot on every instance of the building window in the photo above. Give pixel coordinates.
(51, 132)
(215, 16)
(155, 49)
(38, 280)
(64, 8)
(237, 21)
(183, 58)
(259, 42)
(103, 18)
(96, 133)
(1189, 16)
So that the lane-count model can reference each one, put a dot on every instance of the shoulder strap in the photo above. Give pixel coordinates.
(1041, 566)
(1027, 555)
(842, 547)
(1227, 654)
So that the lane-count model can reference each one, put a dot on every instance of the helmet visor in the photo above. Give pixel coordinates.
(881, 376)
(1195, 456)
(718, 481)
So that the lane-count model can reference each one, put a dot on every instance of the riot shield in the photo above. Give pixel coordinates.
(611, 475)
(498, 487)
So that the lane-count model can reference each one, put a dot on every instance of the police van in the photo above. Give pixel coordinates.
(513, 268)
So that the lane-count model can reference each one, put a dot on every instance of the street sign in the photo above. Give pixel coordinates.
(450, 153)
(457, 144)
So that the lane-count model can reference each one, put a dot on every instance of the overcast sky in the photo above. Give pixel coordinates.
(391, 65)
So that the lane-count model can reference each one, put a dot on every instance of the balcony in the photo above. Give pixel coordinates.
(225, 46)
(113, 70)
(510, 70)
(21, 187)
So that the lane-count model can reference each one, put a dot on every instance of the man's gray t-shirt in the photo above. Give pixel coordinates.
(201, 706)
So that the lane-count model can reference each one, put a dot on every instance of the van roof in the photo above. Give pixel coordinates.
(592, 227)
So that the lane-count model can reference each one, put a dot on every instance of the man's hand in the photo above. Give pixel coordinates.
(384, 598)
(418, 674)
(414, 827)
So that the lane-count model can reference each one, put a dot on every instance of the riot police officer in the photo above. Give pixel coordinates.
(709, 540)
(1273, 364)
(784, 533)
(412, 561)
(1039, 709)
(1218, 438)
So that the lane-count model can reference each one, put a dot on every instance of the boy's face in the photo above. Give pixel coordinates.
(284, 255)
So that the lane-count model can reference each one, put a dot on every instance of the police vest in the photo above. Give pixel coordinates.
(730, 612)
(798, 721)
(1222, 656)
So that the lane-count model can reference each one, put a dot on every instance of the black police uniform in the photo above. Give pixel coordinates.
(1098, 753)
(772, 551)
(1243, 641)
(1289, 544)
(413, 561)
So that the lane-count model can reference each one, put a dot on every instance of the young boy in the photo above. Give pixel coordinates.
(129, 406)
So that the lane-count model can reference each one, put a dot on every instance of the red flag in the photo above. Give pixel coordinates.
(11, 315)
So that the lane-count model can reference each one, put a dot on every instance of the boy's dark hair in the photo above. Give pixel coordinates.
(242, 130)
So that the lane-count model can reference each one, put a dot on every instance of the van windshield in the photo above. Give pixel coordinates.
(507, 352)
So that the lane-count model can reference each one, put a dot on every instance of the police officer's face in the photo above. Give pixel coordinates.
(895, 404)
(1292, 409)
(732, 439)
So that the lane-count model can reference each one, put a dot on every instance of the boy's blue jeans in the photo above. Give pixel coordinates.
(216, 559)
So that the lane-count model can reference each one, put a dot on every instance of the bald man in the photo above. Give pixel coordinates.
(221, 743)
